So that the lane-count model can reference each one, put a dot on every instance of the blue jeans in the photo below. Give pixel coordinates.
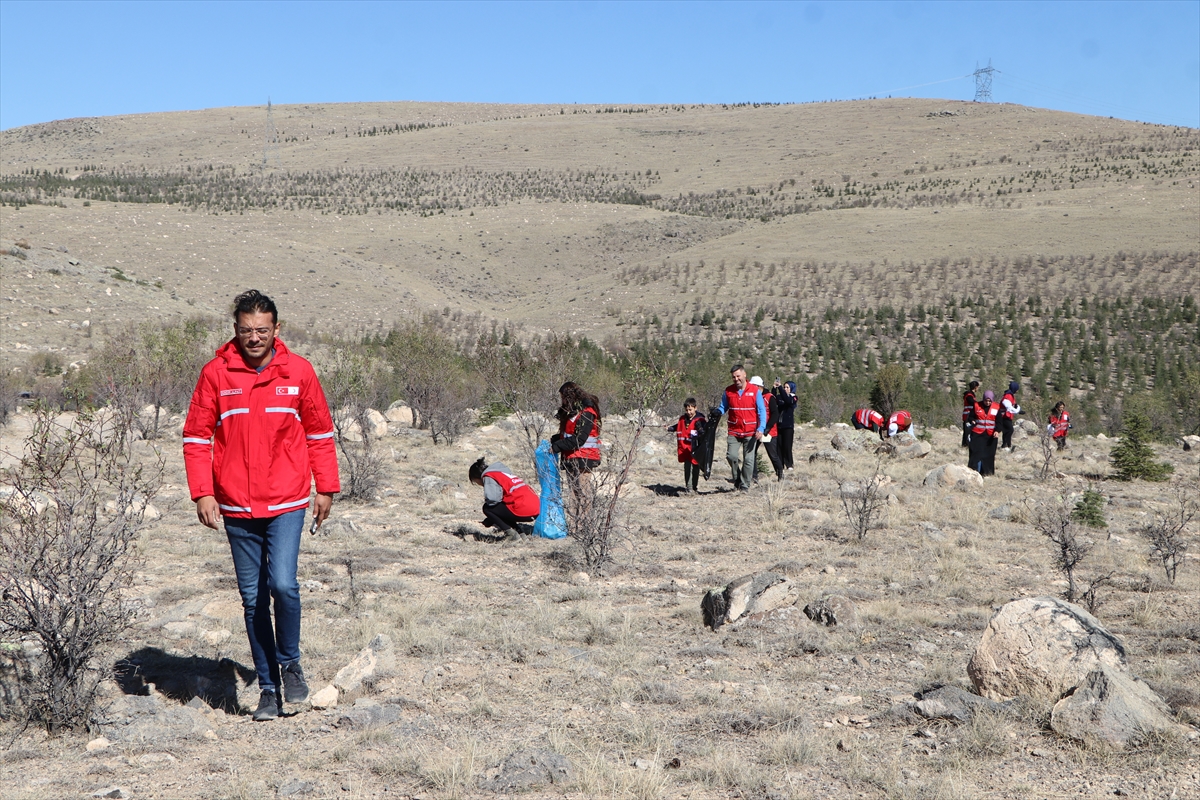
(265, 552)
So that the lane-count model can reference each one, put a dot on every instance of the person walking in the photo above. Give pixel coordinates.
(982, 451)
(689, 430)
(1059, 424)
(968, 407)
(899, 422)
(770, 439)
(1008, 410)
(258, 434)
(868, 419)
(747, 417)
(508, 502)
(785, 396)
(577, 442)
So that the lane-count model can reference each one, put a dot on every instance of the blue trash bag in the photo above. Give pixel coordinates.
(552, 522)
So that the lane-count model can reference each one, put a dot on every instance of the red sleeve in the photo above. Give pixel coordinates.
(197, 435)
(318, 431)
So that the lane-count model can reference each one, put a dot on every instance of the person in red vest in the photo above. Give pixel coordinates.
(770, 439)
(577, 442)
(688, 432)
(868, 419)
(1058, 424)
(968, 407)
(899, 422)
(258, 435)
(1008, 410)
(743, 404)
(508, 502)
(982, 456)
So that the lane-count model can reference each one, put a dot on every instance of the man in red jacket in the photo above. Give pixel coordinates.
(258, 432)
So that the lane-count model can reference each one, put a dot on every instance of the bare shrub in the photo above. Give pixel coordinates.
(68, 531)
(432, 376)
(1056, 521)
(354, 384)
(863, 501)
(1168, 532)
(1048, 450)
(8, 392)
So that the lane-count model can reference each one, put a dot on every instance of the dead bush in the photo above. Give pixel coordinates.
(1168, 534)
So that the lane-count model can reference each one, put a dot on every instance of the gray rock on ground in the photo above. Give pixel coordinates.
(149, 718)
(1040, 647)
(952, 703)
(952, 475)
(832, 456)
(380, 653)
(910, 447)
(747, 595)
(1112, 707)
(853, 441)
(834, 610)
(527, 769)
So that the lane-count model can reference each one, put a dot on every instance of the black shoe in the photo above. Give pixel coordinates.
(268, 706)
(295, 688)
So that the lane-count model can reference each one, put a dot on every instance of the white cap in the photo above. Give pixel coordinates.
(757, 381)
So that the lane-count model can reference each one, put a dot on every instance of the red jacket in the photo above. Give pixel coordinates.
(519, 498)
(1060, 425)
(589, 449)
(968, 404)
(255, 441)
(686, 434)
(985, 418)
(742, 410)
(902, 420)
(869, 418)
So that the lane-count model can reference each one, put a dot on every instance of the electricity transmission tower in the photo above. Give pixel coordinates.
(271, 141)
(983, 82)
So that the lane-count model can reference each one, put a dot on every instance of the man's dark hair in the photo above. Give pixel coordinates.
(735, 368)
(691, 401)
(254, 302)
(476, 471)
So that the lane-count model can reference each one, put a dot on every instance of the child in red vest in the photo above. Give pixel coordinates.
(689, 430)
(508, 501)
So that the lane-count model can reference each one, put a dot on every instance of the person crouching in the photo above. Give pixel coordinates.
(507, 500)
(689, 430)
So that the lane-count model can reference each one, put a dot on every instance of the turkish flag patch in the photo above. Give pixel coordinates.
(287, 390)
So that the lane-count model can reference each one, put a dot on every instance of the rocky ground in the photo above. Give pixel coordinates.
(497, 668)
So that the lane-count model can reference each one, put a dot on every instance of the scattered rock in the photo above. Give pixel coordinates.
(952, 703)
(1028, 427)
(527, 769)
(115, 792)
(379, 653)
(325, 698)
(914, 448)
(811, 516)
(377, 424)
(749, 594)
(147, 718)
(1004, 512)
(367, 713)
(1113, 707)
(836, 610)
(295, 787)
(827, 455)
(580, 578)
(399, 413)
(952, 475)
(99, 743)
(1040, 646)
(785, 620)
(852, 441)
(1191, 443)
(430, 485)
(23, 244)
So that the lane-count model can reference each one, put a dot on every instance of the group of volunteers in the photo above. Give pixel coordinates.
(259, 434)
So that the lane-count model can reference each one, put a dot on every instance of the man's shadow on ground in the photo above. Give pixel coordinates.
(183, 678)
(665, 490)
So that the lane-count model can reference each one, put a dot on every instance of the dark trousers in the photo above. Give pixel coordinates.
(966, 442)
(501, 517)
(691, 475)
(772, 448)
(982, 457)
(786, 437)
(1061, 441)
(1005, 426)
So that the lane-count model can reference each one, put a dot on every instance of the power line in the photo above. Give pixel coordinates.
(983, 82)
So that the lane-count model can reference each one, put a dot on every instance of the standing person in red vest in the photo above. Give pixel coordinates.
(747, 415)
(968, 407)
(770, 439)
(899, 422)
(868, 419)
(578, 440)
(1008, 410)
(688, 432)
(1058, 424)
(982, 456)
(508, 502)
(258, 435)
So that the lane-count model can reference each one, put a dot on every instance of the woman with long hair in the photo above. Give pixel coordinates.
(577, 442)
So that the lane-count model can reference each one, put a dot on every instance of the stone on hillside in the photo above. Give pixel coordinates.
(952, 703)
(115, 792)
(525, 770)
(848, 441)
(295, 787)
(749, 594)
(430, 485)
(379, 654)
(1113, 707)
(827, 455)
(1191, 442)
(325, 698)
(399, 413)
(913, 448)
(148, 718)
(952, 475)
(1027, 426)
(785, 620)
(835, 610)
(99, 743)
(367, 713)
(811, 516)
(1040, 646)
(378, 424)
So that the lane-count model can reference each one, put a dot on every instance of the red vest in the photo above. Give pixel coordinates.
(591, 448)
(869, 418)
(901, 419)
(768, 399)
(686, 441)
(985, 419)
(1060, 424)
(968, 404)
(519, 498)
(1012, 400)
(742, 410)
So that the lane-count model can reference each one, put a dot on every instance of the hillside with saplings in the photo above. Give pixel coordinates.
(880, 622)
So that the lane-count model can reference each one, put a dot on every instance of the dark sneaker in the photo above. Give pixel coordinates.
(268, 706)
(295, 688)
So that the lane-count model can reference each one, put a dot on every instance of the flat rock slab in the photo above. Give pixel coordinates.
(137, 718)
(746, 596)
(952, 703)
(527, 769)
(1112, 707)
(1041, 647)
(835, 610)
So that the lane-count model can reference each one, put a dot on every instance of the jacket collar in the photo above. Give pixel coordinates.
(232, 356)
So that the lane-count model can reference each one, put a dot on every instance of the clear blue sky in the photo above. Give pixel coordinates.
(1135, 60)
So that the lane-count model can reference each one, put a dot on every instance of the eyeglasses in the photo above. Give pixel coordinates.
(245, 332)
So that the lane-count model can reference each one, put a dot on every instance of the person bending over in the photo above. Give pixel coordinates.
(508, 502)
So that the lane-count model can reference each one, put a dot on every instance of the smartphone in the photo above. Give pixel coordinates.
(313, 528)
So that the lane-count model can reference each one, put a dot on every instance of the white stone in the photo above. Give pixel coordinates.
(400, 414)
(99, 743)
(951, 475)
(325, 698)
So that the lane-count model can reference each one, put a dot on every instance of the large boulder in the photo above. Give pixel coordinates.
(952, 475)
(912, 448)
(399, 413)
(377, 424)
(835, 610)
(749, 594)
(1112, 707)
(1041, 647)
(853, 441)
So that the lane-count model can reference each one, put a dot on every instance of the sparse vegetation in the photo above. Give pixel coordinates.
(1168, 533)
(1133, 457)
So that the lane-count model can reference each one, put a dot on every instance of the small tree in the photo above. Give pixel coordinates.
(890, 381)
(354, 384)
(863, 501)
(431, 376)
(68, 534)
(1168, 533)
(1133, 457)
(1049, 453)
(1056, 522)
(1089, 510)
